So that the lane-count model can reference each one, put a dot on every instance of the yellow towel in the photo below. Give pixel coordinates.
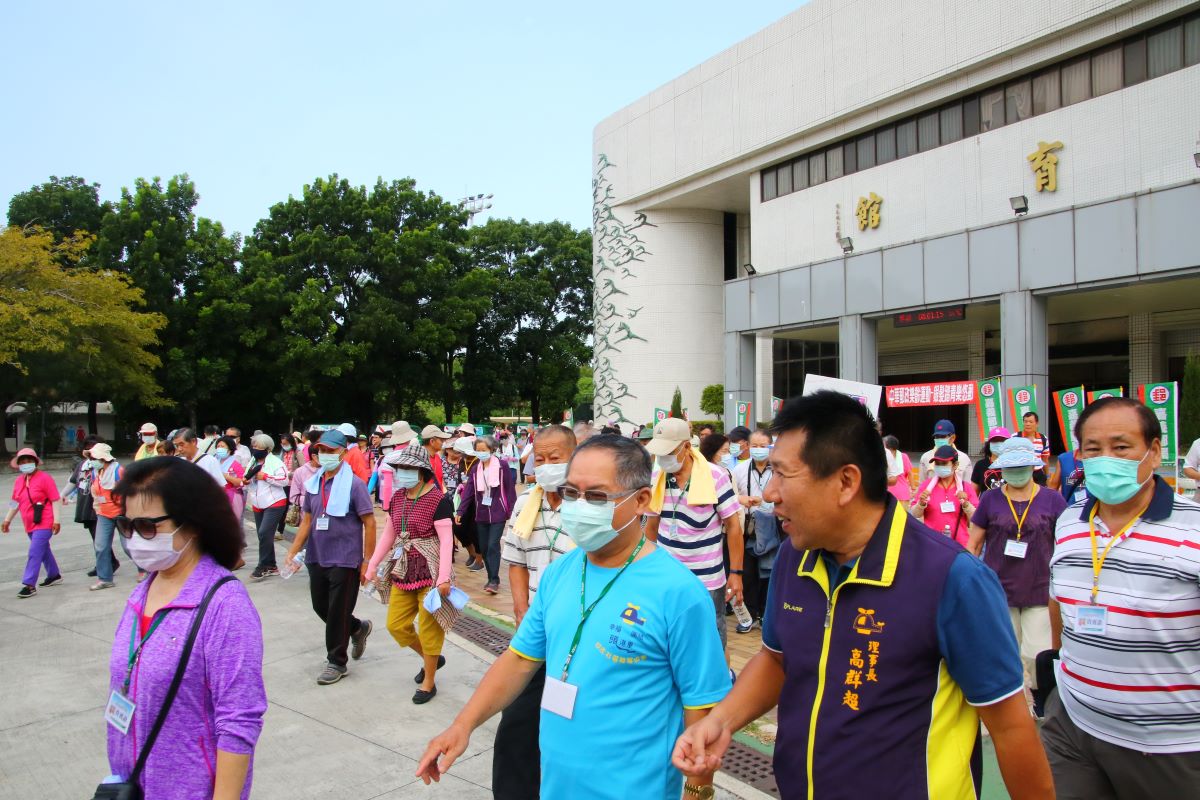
(701, 488)
(523, 527)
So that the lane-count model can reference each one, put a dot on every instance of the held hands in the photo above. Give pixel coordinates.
(698, 752)
(442, 752)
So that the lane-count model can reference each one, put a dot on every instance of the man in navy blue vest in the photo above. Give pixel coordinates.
(884, 643)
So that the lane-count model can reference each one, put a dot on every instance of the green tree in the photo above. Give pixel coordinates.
(533, 343)
(677, 404)
(712, 399)
(70, 331)
(61, 206)
(1189, 407)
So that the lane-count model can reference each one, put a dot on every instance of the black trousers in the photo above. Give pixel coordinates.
(334, 593)
(517, 756)
(266, 521)
(754, 588)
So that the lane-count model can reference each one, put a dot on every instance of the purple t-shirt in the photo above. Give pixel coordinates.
(1026, 581)
(342, 544)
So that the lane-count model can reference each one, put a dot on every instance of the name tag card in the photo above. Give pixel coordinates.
(1015, 549)
(559, 697)
(1091, 619)
(322, 523)
(487, 499)
(119, 712)
(947, 506)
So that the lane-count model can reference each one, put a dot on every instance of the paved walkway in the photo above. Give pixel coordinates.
(360, 738)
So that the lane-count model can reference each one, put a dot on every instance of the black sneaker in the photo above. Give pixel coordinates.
(92, 572)
(27, 592)
(263, 572)
(475, 565)
(358, 641)
(492, 587)
(51, 580)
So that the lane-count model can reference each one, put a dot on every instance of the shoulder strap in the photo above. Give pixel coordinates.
(178, 679)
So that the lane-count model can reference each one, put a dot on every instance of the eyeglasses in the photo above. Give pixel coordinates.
(145, 527)
(594, 496)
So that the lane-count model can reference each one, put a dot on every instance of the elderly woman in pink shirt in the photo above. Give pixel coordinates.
(945, 503)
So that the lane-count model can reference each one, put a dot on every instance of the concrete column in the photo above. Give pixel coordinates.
(765, 378)
(976, 364)
(739, 376)
(858, 358)
(1145, 352)
(1024, 349)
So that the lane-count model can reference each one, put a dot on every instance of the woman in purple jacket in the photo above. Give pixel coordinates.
(491, 489)
(181, 530)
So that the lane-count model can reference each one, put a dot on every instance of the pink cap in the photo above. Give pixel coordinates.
(999, 433)
(22, 453)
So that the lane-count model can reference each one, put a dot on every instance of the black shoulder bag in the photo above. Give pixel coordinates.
(129, 789)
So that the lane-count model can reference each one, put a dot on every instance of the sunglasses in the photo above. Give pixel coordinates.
(145, 527)
(593, 496)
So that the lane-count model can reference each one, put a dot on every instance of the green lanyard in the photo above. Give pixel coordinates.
(406, 512)
(554, 538)
(135, 651)
(587, 612)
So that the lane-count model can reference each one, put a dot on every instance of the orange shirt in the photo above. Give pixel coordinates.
(358, 463)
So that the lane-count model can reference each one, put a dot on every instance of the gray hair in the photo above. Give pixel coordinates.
(186, 434)
(584, 431)
(489, 441)
(632, 461)
(263, 442)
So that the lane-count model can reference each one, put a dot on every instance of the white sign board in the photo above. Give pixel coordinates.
(866, 393)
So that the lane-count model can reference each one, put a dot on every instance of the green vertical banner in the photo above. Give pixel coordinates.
(1068, 405)
(989, 406)
(660, 414)
(1097, 394)
(1021, 401)
(743, 413)
(1163, 400)
(776, 405)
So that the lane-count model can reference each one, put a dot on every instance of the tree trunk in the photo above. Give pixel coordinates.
(448, 387)
(5, 402)
(192, 418)
(93, 416)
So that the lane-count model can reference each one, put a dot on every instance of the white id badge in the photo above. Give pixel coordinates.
(322, 523)
(487, 499)
(559, 697)
(947, 506)
(1091, 619)
(1015, 548)
(119, 712)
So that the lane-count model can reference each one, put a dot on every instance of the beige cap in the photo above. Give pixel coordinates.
(466, 428)
(433, 432)
(668, 435)
(100, 452)
(148, 429)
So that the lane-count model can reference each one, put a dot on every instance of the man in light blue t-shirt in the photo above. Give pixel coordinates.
(621, 685)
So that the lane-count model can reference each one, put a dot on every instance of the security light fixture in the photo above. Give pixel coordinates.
(750, 270)
(1020, 205)
(847, 244)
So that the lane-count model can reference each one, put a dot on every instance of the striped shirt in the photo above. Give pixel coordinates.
(1137, 685)
(547, 542)
(694, 534)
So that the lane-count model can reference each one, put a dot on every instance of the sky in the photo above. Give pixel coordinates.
(255, 99)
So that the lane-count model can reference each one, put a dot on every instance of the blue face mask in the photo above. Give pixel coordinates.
(27, 468)
(330, 462)
(406, 479)
(590, 524)
(940, 441)
(221, 453)
(484, 456)
(760, 453)
(1113, 480)
(729, 461)
(735, 449)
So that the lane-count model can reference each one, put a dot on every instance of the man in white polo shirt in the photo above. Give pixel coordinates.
(1125, 613)
(533, 537)
(693, 509)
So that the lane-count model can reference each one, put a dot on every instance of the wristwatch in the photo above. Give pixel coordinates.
(702, 792)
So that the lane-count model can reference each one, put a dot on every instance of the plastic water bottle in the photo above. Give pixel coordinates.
(741, 612)
(286, 572)
(946, 531)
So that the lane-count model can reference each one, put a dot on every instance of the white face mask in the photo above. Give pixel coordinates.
(157, 554)
(943, 470)
(149, 439)
(670, 463)
(550, 476)
(27, 468)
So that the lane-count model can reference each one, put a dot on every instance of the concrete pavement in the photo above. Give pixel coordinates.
(360, 738)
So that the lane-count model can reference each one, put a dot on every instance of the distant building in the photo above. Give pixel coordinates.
(22, 427)
(901, 193)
